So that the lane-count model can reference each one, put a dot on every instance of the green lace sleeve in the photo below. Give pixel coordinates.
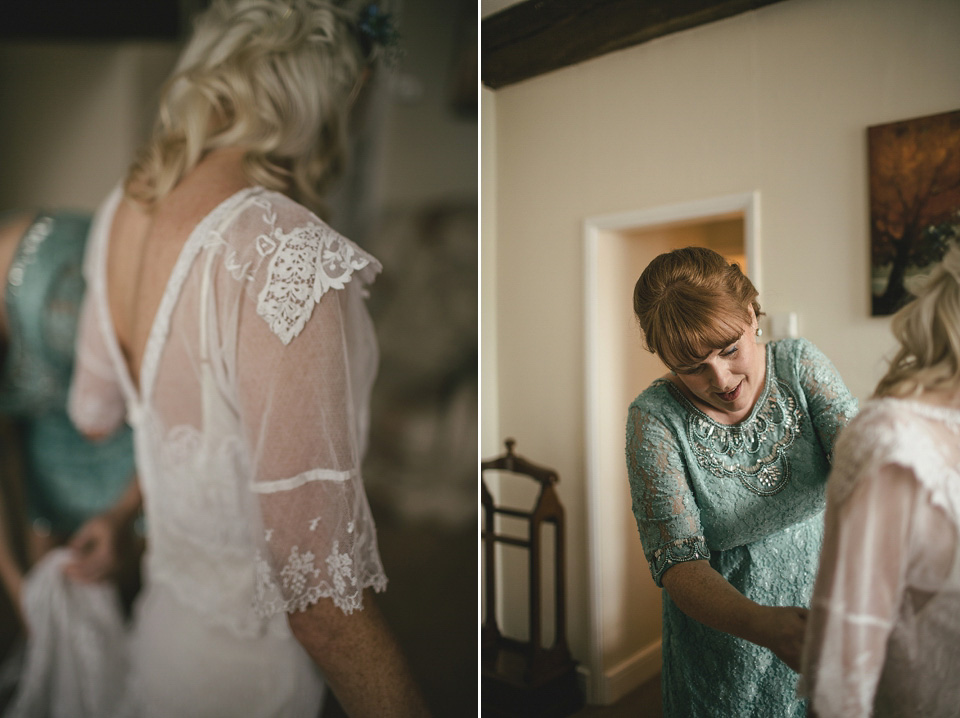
(831, 404)
(663, 504)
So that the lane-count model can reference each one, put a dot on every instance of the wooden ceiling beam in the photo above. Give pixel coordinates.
(538, 36)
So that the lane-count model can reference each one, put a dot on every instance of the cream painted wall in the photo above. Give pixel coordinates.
(775, 100)
(491, 442)
(430, 154)
(74, 113)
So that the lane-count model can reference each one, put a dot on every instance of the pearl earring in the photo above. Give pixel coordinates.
(759, 332)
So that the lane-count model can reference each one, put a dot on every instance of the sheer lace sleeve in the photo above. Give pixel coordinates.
(663, 504)
(96, 404)
(303, 397)
(858, 592)
(831, 404)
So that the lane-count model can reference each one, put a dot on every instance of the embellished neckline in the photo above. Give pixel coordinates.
(757, 405)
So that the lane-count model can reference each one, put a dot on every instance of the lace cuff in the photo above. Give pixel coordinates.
(304, 582)
(693, 548)
(319, 541)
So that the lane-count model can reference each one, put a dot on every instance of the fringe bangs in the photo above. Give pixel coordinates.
(688, 325)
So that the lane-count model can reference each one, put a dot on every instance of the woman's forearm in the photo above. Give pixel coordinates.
(704, 595)
(126, 509)
(360, 659)
(11, 575)
(101, 544)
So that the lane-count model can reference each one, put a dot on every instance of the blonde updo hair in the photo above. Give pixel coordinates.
(928, 330)
(275, 77)
(691, 301)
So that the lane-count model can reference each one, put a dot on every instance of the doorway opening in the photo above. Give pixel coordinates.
(624, 601)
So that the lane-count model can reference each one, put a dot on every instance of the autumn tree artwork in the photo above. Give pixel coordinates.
(914, 201)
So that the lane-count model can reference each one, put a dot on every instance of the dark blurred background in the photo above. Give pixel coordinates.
(78, 87)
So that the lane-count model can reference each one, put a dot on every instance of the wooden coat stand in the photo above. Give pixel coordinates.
(522, 678)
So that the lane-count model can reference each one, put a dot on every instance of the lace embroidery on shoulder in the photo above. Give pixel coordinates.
(308, 262)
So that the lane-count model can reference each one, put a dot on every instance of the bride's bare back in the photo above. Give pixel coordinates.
(144, 246)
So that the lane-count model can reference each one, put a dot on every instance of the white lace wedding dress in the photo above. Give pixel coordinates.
(250, 422)
(883, 637)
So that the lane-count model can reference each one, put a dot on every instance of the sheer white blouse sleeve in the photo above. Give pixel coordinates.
(96, 403)
(858, 592)
(306, 358)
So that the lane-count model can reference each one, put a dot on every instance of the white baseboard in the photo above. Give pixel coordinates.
(621, 679)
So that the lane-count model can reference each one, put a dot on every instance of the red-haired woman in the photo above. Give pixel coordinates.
(728, 455)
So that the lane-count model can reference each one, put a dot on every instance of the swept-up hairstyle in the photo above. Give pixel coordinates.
(928, 330)
(691, 301)
(275, 77)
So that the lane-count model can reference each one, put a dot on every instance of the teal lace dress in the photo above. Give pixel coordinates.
(67, 479)
(750, 499)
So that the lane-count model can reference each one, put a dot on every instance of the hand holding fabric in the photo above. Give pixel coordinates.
(94, 553)
(704, 595)
(784, 628)
(98, 546)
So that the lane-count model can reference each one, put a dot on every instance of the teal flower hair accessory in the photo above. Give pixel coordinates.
(377, 31)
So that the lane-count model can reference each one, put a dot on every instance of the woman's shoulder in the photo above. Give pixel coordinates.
(877, 424)
(653, 395)
(798, 358)
(261, 219)
(888, 431)
(296, 242)
(657, 403)
(793, 349)
(894, 424)
(277, 208)
(289, 258)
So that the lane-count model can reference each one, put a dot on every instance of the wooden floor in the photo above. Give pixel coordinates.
(644, 702)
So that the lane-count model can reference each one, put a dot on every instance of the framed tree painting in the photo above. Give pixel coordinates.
(914, 202)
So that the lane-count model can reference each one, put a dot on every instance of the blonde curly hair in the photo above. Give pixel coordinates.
(275, 77)
(928, 330)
